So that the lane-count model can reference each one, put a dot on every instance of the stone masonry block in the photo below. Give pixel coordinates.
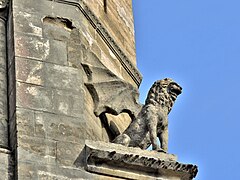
(33, 149)
(49, 100)
(59, 127)
(3, 69)
(26, 170)
(4, 159)
(31, 170)
(38, 48)
(4, 166)
(4, 174)
(47, 74)
(94, 129)
(2, 27)
(57, 53)
(3, 47)
(68, 153)
(68, 103)
(28, 23)
(31, 7)
(34, 97)
(75, 54)
(25, 121)
(55, 29)
(31, 47)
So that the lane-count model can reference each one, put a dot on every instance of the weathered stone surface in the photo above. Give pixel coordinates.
(25, 121)
(134, 163)
(59, 127)
(5, 165)
(3, 132)
(57, 53)
(31, 47)
(35, 149)
(57, 28)
(49, 100)
(27, 22)
(47, 74)
(94, 126)
(68, 153)
(33, 170)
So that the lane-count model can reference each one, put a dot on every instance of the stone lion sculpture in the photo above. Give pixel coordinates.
(152, 121)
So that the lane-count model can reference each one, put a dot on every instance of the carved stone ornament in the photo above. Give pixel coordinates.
(152, 121)
(3, 4)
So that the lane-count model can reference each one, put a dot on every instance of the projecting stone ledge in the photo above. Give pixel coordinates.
(133, 163)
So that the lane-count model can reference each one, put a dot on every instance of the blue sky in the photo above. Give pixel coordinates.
(197, 43)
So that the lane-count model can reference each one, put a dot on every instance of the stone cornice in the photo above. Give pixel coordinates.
(97, 25)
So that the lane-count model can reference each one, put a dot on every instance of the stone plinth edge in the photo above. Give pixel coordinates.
(133, 163)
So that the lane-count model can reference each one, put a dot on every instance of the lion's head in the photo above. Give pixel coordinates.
(163, 93)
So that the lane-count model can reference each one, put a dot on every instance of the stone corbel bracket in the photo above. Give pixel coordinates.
(133, 163)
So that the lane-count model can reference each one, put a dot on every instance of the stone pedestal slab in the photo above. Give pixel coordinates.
(133, 163)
